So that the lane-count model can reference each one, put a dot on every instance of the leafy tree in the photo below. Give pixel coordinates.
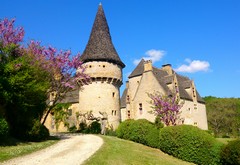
(167, 108)
(223, 115)
(22, 85)
(30, 75)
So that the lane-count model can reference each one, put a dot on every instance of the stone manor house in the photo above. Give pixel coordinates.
(101, 93)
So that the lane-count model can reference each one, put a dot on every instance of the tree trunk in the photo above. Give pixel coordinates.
(45, 117)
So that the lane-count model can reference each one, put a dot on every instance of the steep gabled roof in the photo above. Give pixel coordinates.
(100, 46)
(71, 97)
(123, 99)
(160, 75)
(164, 79)
(138, 70)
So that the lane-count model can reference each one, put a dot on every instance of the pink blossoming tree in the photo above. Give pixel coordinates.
(167, 108)
(63, 70)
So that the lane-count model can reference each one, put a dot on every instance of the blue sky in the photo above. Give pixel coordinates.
(200, 38)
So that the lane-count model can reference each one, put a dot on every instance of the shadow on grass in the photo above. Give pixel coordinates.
(11, 141)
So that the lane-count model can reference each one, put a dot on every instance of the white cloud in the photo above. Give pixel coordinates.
(194, 66)
(153, 54)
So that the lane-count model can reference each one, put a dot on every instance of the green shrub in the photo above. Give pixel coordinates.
(140, 131)
(4, 129)
(158, 122)
(123, 131)
(110, 132)
(94, 128)
(191, 144)
(72, 128)
(38, 132)
(231, 153)
(82, 127)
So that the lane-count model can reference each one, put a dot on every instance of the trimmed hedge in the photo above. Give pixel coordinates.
(191, 144)
(140, 131)
(231, 153)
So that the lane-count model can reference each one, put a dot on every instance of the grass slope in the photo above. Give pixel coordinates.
(122, 152)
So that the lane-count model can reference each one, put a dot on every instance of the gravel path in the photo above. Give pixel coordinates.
(72, 150)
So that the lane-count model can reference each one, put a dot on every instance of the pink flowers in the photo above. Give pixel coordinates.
(166, 107)
(9, 34)
(62, 70)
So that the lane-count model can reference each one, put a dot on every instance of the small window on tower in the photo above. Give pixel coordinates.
(128, 114)
(103, 66)
(90, 66)
(140, 108)
(113, 94)
(128, 98)
(115, 113)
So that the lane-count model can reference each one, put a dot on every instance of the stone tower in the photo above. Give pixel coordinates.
(104, 67)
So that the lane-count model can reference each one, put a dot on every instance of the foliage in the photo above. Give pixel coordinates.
(63, 69)
(61, 114)
(30, 75)
(111, 132)
(72, 128)
(4, 129)
(167, 108)
(223, 116)
(158, 122)
(93, 128)
(231, 153)
(191, 144)
(140, 131)
(38, 132)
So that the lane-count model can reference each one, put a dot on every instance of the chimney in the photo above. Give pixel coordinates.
(148, 65)
(168, 68)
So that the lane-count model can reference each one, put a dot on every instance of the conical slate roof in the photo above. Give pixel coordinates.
(100, 46)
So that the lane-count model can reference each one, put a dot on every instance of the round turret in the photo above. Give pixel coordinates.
(104, 67)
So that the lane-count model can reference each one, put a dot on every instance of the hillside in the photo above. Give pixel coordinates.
(123, 152)
(223, 116)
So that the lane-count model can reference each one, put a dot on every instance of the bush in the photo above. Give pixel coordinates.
(191, 144)
(94, 127)
(4, 129)
(38, 132)
(140, 131)
(158, 122)
(72, 128)
(123, 131)
(231, 153)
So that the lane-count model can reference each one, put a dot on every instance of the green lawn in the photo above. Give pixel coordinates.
(114, 151)
(20, 149)
(122, 152)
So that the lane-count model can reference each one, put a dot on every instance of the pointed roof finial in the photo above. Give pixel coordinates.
(100, 46)
(100, 4)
